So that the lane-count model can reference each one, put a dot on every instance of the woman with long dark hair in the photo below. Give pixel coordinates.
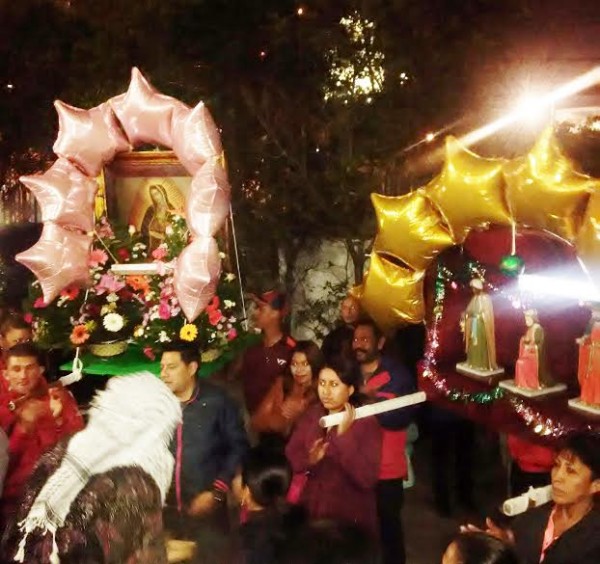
(292, 393)
(341, 464)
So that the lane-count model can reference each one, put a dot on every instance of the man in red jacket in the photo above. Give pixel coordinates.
(34, 416)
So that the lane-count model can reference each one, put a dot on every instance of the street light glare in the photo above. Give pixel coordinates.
(542, 103)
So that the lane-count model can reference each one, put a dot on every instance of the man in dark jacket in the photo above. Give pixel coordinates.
(386, 378)
(208, 450)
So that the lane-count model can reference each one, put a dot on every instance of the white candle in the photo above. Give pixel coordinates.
(133, 269)
(375, 408)
(532, 498)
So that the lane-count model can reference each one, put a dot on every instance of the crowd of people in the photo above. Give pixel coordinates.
(177, 458)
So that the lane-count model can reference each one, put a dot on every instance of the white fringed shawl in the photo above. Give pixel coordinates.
(131, 423)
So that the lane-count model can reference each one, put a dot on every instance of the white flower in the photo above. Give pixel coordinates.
(112, 298)
(131, 229)
(228, 304)
(230, 277)
(163, 337)
(222, 255)
(176, 218)
(168, 230)
(113, 322)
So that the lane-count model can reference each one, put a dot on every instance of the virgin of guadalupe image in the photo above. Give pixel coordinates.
(157, 216)
(477, 323)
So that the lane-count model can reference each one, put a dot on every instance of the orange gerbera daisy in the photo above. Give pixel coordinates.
(138, 283)
(79, 335)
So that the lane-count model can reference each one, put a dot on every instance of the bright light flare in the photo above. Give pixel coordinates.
(576, 290)
(542, 103)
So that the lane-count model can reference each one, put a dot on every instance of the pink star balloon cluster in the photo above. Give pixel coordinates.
(88, 140)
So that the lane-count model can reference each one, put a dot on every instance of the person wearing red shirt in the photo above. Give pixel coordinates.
(33, 415)
(13, 330)
(383, 377)
(264, 362)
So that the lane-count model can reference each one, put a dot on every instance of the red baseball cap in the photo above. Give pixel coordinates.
(277, 300)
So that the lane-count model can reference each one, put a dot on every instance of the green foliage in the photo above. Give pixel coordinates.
(320, 315)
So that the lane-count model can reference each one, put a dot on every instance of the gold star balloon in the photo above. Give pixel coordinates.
(469, 192)
(409, 228)
(392, 295)
(588, 241)
(544, 191)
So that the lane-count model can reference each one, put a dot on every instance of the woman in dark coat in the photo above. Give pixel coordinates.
(567, 530)
(341, 465)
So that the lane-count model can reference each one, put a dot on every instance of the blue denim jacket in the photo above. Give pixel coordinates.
(211, 443)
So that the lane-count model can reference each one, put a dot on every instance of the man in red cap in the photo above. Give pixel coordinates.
(264, 362)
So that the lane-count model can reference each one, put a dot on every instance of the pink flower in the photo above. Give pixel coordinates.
(149, 353)
(97, 257)
(39, 303)
(231, 334)
(28, 317)
(108, 283)
(159, 253)
(164, 311)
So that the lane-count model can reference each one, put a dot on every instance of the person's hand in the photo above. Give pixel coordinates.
(349, 416)
(32, 410)
(203, 504)
(317, 451)
(492, 529)
(290, 409)
(56, 403)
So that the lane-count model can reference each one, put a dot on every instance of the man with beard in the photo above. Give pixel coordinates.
(385, 378)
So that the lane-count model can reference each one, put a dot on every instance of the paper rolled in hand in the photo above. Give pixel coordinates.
(533, 498)
(375, 408)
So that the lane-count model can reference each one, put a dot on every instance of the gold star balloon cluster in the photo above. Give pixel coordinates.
(540, 190)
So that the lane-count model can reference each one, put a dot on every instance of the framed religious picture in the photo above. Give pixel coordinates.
(145, 189)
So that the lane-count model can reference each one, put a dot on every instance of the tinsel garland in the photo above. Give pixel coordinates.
(539, 423)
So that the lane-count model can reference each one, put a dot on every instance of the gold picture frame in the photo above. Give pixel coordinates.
(143, 189)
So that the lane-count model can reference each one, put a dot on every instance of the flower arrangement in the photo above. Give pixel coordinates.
(141, 308)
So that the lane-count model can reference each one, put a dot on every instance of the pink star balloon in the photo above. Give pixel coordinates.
(65, 195)
(208, 204)
(197, 275)
(88, 138)
(58, 259)
(195, 137)
(145, 113)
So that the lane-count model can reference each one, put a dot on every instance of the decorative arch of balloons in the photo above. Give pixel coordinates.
(540, 190)
(88, 140)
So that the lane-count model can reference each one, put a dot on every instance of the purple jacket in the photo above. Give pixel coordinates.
(341, 486)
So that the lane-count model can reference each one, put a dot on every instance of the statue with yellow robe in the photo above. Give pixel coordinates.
(477, 324)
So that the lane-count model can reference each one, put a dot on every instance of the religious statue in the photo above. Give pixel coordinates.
(531, 370)
(157, 216)
(477, 324)
(589, 360)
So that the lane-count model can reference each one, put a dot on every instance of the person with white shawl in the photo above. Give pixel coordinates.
(98, 497)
